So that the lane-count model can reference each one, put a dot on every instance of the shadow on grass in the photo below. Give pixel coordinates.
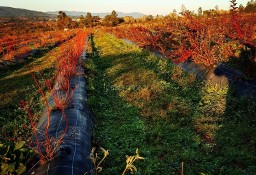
(136, 107)
(9, 69)
(236, 138)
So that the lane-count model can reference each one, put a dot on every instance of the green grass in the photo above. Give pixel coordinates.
(141, 101)
(16, 85)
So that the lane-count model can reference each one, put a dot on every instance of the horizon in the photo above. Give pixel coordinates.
(149, 7)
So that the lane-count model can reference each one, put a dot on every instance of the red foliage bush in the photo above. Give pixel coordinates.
(67, 61)
(204, 40)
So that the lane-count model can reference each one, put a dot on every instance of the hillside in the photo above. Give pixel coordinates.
(17, 12)
(101, 15)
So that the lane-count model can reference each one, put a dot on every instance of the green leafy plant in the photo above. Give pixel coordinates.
(13, 157)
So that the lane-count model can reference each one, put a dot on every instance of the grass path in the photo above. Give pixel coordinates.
(141, 101)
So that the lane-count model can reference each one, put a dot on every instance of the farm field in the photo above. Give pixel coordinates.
(166, 113)
(165, 94)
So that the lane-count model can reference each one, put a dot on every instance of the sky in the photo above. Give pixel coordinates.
(153, 7)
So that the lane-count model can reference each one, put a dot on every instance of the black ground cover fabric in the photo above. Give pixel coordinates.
(72, 156)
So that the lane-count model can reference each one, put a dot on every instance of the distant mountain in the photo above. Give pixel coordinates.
(101, 15)
(17, 12)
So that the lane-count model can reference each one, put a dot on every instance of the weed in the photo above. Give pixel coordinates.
(130, 161)
(97, 161)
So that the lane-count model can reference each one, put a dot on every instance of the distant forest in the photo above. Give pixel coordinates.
(249, 8)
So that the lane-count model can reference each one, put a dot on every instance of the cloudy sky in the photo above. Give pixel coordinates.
(153, 7)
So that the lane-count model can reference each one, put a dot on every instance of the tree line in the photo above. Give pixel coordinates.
(249, 8)
(64, 21)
